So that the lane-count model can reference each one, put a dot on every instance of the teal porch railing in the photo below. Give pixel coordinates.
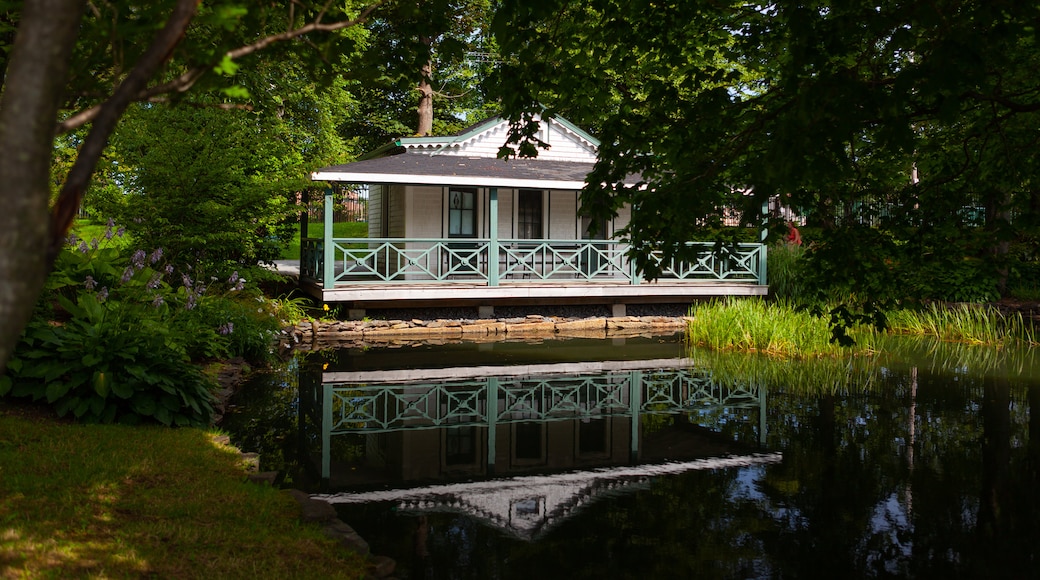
(493, 262)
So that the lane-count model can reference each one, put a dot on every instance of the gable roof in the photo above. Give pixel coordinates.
(469, 158)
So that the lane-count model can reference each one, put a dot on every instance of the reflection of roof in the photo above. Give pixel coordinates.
(418, 168)
(529, 506)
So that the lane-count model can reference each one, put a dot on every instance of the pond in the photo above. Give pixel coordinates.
(639, 458)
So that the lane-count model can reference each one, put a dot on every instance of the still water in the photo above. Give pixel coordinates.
(638, 458)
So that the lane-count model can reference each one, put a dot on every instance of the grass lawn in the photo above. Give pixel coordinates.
(315, 230)
(103, 501)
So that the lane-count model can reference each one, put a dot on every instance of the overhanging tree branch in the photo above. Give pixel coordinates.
(188, 79)
(109, 113)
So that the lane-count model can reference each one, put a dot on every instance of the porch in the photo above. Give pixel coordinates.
(422, 272)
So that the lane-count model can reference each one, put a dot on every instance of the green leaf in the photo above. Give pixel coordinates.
(56, 390)
(5, 385)
(236, 92)
(163, 415)
(144, 405)
(227, 66)
(101, 382)
(122, 389)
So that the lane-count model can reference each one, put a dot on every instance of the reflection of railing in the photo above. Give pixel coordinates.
(399, 260)
(392, 407)
(487, 401)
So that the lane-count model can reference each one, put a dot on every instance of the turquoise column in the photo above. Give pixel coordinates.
(762, 278)
(326, 431)
(493, 234)
(329, 271)
(635, 402)
(492, 423)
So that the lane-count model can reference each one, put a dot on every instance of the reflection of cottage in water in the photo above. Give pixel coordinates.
(408, 427)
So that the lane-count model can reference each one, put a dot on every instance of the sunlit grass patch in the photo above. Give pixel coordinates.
(120, 502)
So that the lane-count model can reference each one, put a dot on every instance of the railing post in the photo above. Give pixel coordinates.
(329, 271)
(633, 273)
(492, 423)
(493, 234)
(762, 261)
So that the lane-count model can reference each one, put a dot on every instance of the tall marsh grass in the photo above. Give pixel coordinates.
(776, 328)
(785, 269)
(967, 323)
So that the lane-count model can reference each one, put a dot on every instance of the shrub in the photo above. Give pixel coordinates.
(110, 362)
(115, 333)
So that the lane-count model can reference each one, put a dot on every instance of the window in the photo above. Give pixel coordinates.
(529, 214)
(462, 213)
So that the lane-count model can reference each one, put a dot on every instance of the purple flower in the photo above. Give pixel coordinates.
(94, 244)
(190, 304)
(156, 255)
(83, 248)
(241, 284)
(127, 274)
(168, 269)
(111, 223)
(157, 301)
(226, 328)
(154, 282)
(120, 232)
(108, 233)
(186, 281)
(233, 278)
(138, 259)
(102, 295)
(90, 283)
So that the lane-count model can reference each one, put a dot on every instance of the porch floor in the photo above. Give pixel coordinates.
(520, 293)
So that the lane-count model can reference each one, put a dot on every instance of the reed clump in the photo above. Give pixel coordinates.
(968, 323)
(776, 328)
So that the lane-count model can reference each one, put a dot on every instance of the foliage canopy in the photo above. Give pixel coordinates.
(903, 130)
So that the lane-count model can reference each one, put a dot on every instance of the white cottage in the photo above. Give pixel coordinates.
(450, 222)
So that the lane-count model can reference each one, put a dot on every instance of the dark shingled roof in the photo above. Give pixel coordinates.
(410, 163)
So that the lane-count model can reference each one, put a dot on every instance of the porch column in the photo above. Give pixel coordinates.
(762, 280)
(762, 414)
(329, 272)
(493, 234)
(326, 432)
(635, 404)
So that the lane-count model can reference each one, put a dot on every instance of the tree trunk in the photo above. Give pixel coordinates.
(425, 101)
(425, 125)
(36, 76)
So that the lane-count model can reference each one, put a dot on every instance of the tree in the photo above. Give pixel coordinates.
(890, 124)
(41, 91)
(211, 188)
(419, 53)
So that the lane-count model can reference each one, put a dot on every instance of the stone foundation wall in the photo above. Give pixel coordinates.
(320, 334)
